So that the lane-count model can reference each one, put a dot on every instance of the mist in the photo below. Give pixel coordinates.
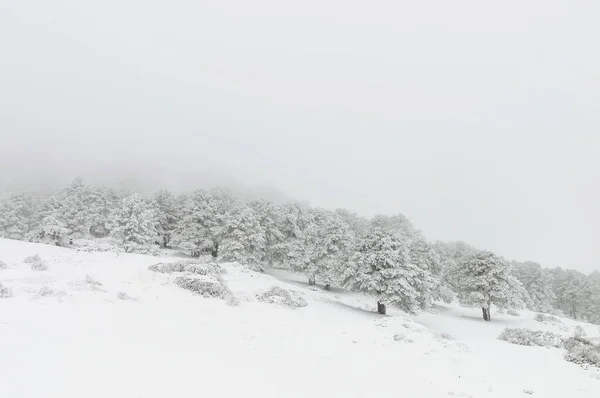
(477, 121)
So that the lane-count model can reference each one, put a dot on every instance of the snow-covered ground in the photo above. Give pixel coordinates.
(61, 335)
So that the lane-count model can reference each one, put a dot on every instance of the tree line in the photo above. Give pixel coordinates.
(384, 256)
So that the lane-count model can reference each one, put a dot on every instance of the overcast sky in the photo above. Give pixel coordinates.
(480, 121)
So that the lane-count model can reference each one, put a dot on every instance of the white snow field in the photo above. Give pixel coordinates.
(64, 335)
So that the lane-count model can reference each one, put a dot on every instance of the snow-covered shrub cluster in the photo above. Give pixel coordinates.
(512, 312)
(3, 265)
(188, 266)
(547, 318)
(5, 292)
(45, 291)
(92, 281)
(125, 296)
(529, 337)
(97, 245)
(282, 297)
(36, 263)
(205, 285)
(582, 351)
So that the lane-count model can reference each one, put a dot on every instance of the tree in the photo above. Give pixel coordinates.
(167, 215)
(50, 231)
(538, 283)
(323, 247)
(133, 226)
(203, 224)
(244, 239)
(568, 287)
(293, 220)
(268, 217)
(484, 279)
(17, 215)
(381, 266)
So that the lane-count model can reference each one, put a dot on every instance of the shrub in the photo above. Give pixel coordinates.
(125, 296)
(3, 265)
(446, 336)
(546, 318)
(98, 245)
(576, 342)
(584, 355)
(579, 331)
(512, 312)
(188, 266)
(5, 292)
(45, 291)
(205, 285)
(36, 262)
(92, 281)
(529, 337)
(283, 297)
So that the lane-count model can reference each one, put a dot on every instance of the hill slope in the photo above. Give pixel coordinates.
(65, 333)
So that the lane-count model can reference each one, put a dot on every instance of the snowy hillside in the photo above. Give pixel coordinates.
(103, 325)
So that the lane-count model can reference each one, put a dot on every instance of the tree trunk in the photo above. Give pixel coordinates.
(311, 280)
(327, 286)
(380, 308)
(486, 314)
(215, 251)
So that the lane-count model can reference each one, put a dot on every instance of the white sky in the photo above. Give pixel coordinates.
(478, 120)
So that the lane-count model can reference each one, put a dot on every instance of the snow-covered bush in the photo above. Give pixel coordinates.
(5, 292)
(513, 312)
(579, 331)
(529, 337)
(188, 266)
(205, 285)
(576, 342)
(283, 297)
(98, 245)
(92, 281)
(36, 262)
(125, 296)
(446, 336)
(3, 265)
(45, 291)
(584, 355)
(402, 337)
(546, 318)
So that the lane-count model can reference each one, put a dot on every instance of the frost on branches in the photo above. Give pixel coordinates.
(16, 215)
(323, 247)
(244, 237)
(134, 226)
(538, 283)
(381, 266)
(485, 279)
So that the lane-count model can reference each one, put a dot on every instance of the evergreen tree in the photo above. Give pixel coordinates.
(133, 226)
(485, 279)
(244, 238)
(538, 283)
(268, 217)
(17, 215)
(381, 266)
(323, 247)
(167, 215)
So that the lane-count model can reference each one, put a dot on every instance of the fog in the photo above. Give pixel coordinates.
(478, 121)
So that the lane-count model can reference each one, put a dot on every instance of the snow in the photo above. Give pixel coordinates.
(83, 341)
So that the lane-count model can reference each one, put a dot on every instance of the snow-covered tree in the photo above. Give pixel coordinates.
(323, 248)
(268, 217)
(567, 286)
(293, 220)
(357, 224)
(50, 231)
(204, 221)
(133, 226)
(423, 255)
(538, 283)
(397, 224)
(485, 279)
(244, 238)
(381, 266)
(17, 215)
(167, 215)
